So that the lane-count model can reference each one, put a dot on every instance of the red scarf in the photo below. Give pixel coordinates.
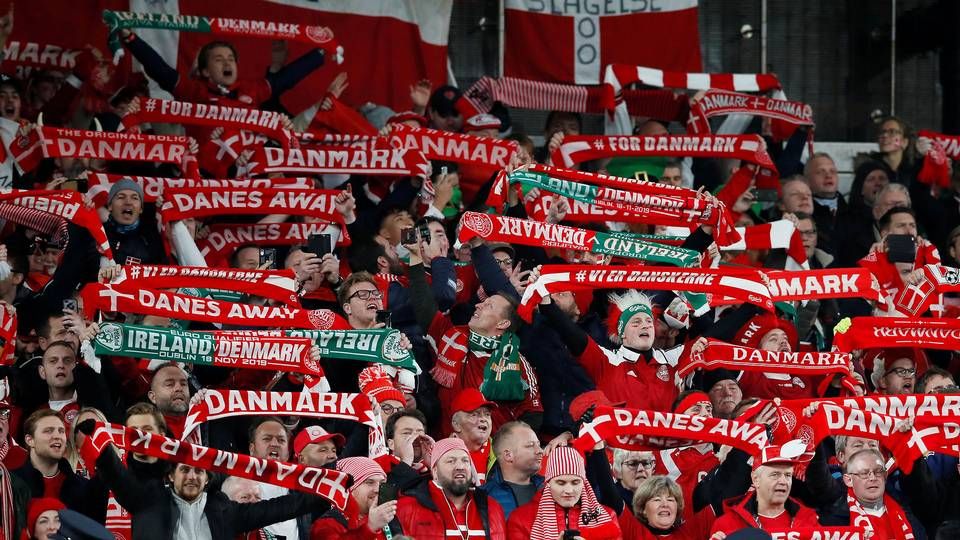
(879, 332)
(788, 115)
(636, 430)
(457, 524)
(279, 285)
(351, 140)
(391, 162)
(326, 483)
(153, 110)
(68, 205)
(780, 234)
(790, 285)
(936, 163)
(579, 148)
(223, 238)
(202, 202)
(718, 354)
(893, 524)
(616, 76)
(949, 143)
(456, 147)
(118, 521)
(743, 284)
(8, 342)
(218, 404)
(51, 142)
(98, 296)
(99, 184)
(817, 533)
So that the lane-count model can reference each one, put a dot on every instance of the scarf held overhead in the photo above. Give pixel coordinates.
(629, 428)
(68, 205)
(280, 285)
(203, 202)
(456, 147)
(722, 102)
(718, 354)
(879, 332)
(217, 404)
(378, 345)
(99, 184)
(110, 298)
(745, 284)
(329, 484)
(317, 36)
(493, 228)
(223, 238)
(337, 160)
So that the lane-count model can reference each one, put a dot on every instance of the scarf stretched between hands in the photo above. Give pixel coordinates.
(99, 184)
(616, 76)
(350, 140)
(110, 298)
(378, 345)
(722, 102)
(780, 234)
(794, 285)
(579, 148)
(223, 238)
(68, 205)
(29, 148)
(182, 203)
(317, 36)
(639, 204)
(217, 404)
(816, 533)
(8, 338)
(153, 110)
(744, 284)
(880, 332)
(334, 160)
(261, 352)
(893, 524)
(718, 354)
(638, 430)
(456, 147)
(279, 285)
(936, 164)
(493, 228)
(327, 483)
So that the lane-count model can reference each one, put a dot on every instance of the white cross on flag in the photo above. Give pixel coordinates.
(571, 41)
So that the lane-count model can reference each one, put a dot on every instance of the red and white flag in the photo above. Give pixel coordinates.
(571, 42)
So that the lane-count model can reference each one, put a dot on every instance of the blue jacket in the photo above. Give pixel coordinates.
(497, 488)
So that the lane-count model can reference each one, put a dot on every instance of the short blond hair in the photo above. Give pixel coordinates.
(650, 488)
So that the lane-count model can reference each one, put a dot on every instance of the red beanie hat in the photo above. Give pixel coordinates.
(39, 506)
(752, 333)
(376, 383)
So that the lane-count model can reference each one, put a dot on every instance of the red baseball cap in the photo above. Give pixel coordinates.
(469, 400)
(315, 435)
(584, 401)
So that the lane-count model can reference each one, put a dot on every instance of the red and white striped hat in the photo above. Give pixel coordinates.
(360, 468)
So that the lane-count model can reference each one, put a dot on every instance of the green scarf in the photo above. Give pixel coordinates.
(502, 380)
(379, 345)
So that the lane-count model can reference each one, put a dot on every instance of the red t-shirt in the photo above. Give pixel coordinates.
(52, 485)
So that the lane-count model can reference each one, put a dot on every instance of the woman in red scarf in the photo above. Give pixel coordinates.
(658, 514)
(365, 517)
(567, 503)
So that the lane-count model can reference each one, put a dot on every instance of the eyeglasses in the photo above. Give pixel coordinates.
(366, 294)
(388, 409)
(635, 464)
(4, 414)
(863, 475)
(902, 372)
(505, 262)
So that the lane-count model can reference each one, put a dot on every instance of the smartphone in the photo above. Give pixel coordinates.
(901, 248)
(320, 244)
(408, 236)
(70, 304)
(386, 317)
(387, 493)
(443, 171)
(570, 533)
(765, 195)
(268, 255)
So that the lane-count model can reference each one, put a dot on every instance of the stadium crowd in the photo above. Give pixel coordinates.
(479, 360)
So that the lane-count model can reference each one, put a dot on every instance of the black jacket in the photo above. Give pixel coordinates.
(89, 497)
(142, 244)
(155, 513)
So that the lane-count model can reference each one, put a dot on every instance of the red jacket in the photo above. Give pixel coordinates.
(626, 376)
(421, 515)
(521, 522)
(697, 528)
(741, 512)
(334, 525)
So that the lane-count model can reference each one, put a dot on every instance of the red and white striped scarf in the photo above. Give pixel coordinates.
(616, 76)
(787, 115)
(375, 162)
(892, 525)
(592, 519)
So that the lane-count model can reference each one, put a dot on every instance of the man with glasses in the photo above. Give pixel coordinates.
(894, 372)
(866, 503)
(630, 469)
